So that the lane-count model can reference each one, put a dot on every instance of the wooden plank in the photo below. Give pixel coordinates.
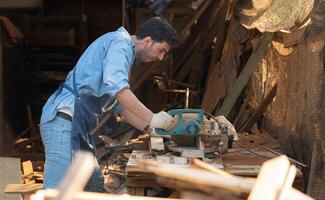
(136, 191)
(179, 160)
(195, 176)
(202, 165)
(28, 172)
(188, 152)
(203, 180)
(259, 112)
(156, 144)
(23, 188)
(286, 186)
(163, 159)
(9, 173)
(10, 4)
(245, 75)
(267, 185)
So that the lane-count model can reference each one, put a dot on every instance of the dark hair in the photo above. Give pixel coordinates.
(159, 30)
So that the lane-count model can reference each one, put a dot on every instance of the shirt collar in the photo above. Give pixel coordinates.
(124, 31)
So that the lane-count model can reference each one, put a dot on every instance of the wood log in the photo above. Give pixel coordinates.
(273, 15)
(245, 75)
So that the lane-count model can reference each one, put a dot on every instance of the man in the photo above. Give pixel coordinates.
(100, 77)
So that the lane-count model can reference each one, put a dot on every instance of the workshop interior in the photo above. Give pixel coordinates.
(244, 87)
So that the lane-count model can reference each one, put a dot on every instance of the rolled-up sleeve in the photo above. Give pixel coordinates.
(118, 108)
(117, 63)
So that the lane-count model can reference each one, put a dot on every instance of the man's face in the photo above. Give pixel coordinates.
(153, 51)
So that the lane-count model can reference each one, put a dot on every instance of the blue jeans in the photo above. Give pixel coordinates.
(56, 137)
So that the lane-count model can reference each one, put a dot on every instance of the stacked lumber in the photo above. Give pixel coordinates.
(273, 182)
(71, 187)
(200, 180)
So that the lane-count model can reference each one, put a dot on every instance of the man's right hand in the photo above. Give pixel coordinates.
(161, 120)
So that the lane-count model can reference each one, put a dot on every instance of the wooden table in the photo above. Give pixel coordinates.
(237, 161)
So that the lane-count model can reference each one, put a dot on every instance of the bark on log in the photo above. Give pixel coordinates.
(296, 116)
(273, 15)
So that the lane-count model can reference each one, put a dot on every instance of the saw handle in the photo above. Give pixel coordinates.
(178, 124)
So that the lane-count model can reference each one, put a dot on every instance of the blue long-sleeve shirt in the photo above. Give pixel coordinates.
(102, 69)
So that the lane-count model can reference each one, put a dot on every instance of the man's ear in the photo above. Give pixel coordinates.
(147, 41)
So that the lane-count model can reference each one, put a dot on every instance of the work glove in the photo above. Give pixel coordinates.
(161, 120)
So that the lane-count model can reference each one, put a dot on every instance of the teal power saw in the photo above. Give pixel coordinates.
(211, 135)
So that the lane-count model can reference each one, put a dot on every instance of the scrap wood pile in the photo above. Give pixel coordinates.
(199, 181)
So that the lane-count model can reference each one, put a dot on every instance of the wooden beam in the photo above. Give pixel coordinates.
(245, 75)
(28, 172)
(196, 176)
(23, 188)
(268, 186)
(201, 179)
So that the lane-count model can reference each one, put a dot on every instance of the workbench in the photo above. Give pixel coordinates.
(237, 161)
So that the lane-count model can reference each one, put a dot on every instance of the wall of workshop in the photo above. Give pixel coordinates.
(296, 116)
(102, 16)
(14, 105)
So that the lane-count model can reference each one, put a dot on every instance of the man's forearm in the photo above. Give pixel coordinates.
(134, 120)
(131, 103)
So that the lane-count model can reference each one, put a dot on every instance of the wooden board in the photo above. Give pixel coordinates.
(268, 185)
(22, 188)
(28, 172)
(156, 144)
